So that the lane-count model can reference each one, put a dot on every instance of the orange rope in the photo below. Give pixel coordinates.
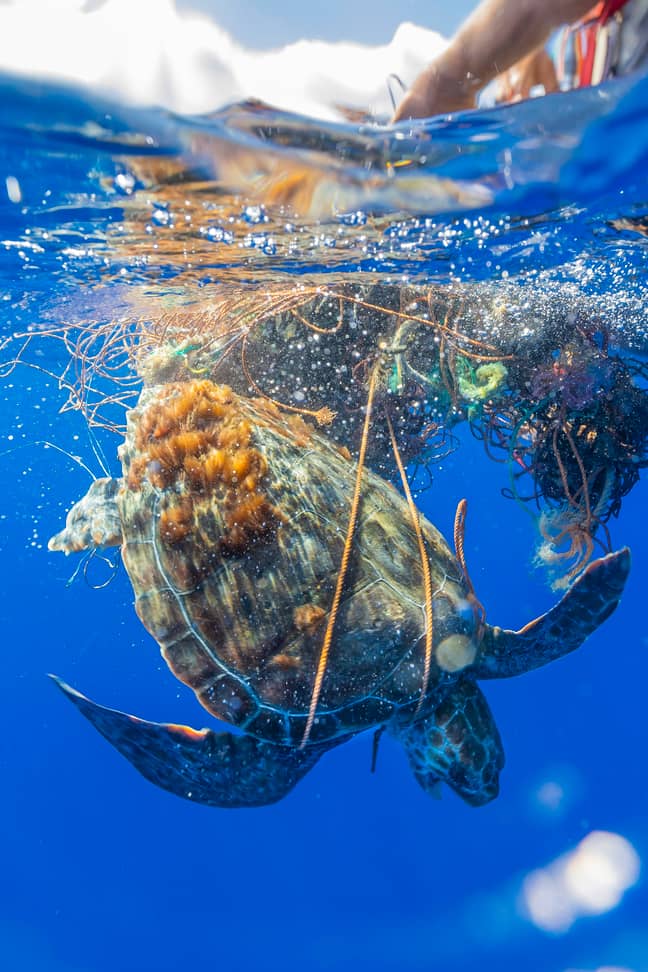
(315, 327)
(425, 567)
(459, 531)
(346, 553)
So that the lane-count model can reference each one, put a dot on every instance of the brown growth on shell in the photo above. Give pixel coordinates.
(286, 662)
(195, 438)
(252, 518)
(292, 425)
(306, 617)
(176, 522)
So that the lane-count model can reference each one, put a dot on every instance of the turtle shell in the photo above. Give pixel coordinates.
(233, 522)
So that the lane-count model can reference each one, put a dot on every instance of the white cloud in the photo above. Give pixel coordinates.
(147, 52)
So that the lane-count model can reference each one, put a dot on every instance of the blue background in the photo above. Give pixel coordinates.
(102, 871)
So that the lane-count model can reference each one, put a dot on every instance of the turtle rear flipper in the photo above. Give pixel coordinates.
(586, 605)
(219, 769)
(457, 744)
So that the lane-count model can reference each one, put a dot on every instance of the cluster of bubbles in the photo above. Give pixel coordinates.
(540, 385)
(538, 380)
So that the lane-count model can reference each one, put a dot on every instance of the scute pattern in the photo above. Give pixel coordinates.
(458, 743)
(224, 613)
(232, 521)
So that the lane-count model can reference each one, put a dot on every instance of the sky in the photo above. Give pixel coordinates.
(195, 56)
(259, 23)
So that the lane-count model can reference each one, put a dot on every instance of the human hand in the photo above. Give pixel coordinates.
(533, 71)
(436, 92)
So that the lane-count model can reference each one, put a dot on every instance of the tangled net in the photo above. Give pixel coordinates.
(567, 416)
(310, 350)
(573, 431)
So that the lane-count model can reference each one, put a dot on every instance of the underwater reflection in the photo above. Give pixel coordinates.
(590, 880)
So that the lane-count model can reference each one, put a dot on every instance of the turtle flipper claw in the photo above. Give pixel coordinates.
(220, 769)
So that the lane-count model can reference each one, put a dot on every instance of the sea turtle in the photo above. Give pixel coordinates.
(231, 520)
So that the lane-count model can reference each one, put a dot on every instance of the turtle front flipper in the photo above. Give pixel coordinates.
(457, 744)
(586, 605)
(217, 768)
(93, 522)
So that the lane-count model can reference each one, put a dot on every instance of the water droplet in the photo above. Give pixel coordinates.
(14, 192)
(218, 235)
(254, 214)
(161, 216)
(124, 183)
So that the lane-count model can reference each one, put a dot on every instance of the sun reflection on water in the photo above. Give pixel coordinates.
(591, 879)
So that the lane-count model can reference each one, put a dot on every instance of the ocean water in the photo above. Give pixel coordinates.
(110, 215)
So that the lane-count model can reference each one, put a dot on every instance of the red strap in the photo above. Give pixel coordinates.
(588, 39)
(602, 11)
(610, 7)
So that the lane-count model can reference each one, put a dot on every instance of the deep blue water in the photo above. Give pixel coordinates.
(101, 870)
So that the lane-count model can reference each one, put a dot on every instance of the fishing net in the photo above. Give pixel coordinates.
(566, 415)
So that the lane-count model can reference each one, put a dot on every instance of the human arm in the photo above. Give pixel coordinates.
(494, 37)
